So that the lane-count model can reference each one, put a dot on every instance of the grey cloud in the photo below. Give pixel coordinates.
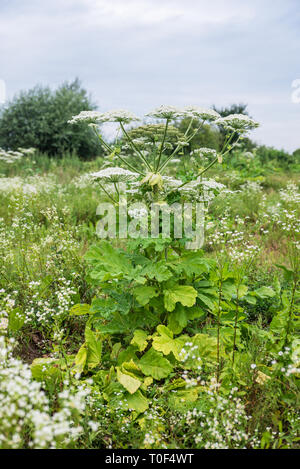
(138, 54)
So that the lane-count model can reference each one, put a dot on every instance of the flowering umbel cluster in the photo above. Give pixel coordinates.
(152, 155)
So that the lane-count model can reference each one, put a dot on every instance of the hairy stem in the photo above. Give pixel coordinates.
(134, 147)
(162, 145)
(218, 328)
(235, 322)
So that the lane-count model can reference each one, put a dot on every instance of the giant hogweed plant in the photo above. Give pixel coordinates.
(152, 298)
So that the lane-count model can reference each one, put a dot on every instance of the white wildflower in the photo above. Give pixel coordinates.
(201, 113)
(119, 115)
(204, 152)
(86, 116)
(166, 112)
(237, 122)
(114, 174)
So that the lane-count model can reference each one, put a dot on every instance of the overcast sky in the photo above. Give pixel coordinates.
(137, 54)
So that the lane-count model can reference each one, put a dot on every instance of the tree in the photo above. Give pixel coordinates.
(233, 109)
(39, 118)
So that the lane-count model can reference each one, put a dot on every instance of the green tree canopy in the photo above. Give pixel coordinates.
(39, 118)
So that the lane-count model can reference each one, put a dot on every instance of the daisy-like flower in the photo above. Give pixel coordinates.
(115, 174)
(86, 116)
(119, 115)
(165, 112)
(237, 122)
(201, 113)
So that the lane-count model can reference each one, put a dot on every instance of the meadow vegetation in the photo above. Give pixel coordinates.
(140, 342)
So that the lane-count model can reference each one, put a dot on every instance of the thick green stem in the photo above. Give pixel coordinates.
(291, 310)
(178, 148)
(134, 147)
(117, 191)
(218, 328)
(227, 142)
(130, 166)
(108, 195)
(235, 322)
(162, 145)
(190, 125)
(103, 142)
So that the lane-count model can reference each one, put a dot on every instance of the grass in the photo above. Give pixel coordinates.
(48, 217)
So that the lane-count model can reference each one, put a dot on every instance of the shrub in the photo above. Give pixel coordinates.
(207, 136)
(269, 153)
(38, 118)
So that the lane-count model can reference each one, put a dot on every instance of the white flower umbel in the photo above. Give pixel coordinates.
(10, 156)
(204, 190)
(238, 123)
(119, 115)
(86, 116)
(114, 175)
(201, 113)
(209, 184)
(27, 151)
(204, 152)
(166, 112)
(171, 182)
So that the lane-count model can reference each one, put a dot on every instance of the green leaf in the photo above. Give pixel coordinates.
(159, 271)
(265, 292)
(178, 319)
(127, 324)
(16, 320)
(43, 369)
(127, 355)
(112, 303)
(250, 299)
(243, 289)
(193, 263)
(164, 342)
(137, 402)
(80, 309)
(182, 398)
(228, 290)
(144, 294)
(109, 263)
(80, 359)
(278, 323)
(155, 365)
(288, 273)
(158, 244)
(94, 348)
(184, 294)
(130, 382)
(140, 339)
(115, 351)
(206, 300)
(203, 347)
